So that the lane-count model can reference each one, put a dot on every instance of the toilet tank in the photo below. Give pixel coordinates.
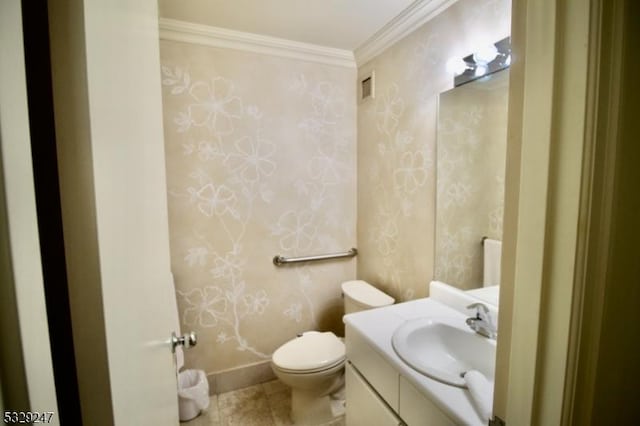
(360, 295)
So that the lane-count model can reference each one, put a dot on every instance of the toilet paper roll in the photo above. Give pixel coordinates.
(481, 391)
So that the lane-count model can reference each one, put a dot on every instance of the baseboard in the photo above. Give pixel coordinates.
(240, 377)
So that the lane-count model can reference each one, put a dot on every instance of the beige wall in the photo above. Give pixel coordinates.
(261, 160)
(397, 144)
(472, 140)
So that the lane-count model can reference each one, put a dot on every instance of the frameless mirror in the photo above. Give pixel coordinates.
(471, 155)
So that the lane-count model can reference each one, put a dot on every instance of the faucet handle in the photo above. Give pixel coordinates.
(482, 323)
(479, 307)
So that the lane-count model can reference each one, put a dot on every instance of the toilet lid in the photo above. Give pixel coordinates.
(312, 351)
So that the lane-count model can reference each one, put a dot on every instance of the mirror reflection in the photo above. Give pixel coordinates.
(471, 154)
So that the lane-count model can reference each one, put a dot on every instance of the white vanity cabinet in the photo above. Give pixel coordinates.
(416, 409)
(365, 407)
(374, 368)
(377, 394)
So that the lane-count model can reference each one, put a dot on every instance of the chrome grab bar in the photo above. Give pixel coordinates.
(281, 260)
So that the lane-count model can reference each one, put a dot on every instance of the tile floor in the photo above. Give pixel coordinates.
(266, 404)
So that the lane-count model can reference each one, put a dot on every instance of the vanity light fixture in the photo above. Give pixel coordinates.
(487, 60)
(485, 54)
(456, 66)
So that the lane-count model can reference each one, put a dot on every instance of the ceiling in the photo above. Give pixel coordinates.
(342, 24)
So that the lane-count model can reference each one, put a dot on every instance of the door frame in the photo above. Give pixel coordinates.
(48, 207)
(564, 99)
(25, 361)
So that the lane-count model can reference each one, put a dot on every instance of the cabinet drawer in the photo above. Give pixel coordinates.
(376, 370)
(364, 406)
(416, 409)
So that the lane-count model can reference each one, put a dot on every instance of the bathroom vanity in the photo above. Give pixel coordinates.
(384, 390)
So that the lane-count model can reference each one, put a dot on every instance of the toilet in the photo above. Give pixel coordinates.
(313, 363)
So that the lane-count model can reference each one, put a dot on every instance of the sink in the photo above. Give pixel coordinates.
(443, 349)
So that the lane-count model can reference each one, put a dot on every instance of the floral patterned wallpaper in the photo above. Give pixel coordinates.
(261, 160)
(472, 149)
(397, 144)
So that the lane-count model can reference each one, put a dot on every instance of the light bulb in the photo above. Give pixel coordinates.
(456, 66)
(481, 70)
(507, 61)
(485, 54)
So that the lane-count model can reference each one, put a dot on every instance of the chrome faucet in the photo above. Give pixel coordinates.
(482, 323)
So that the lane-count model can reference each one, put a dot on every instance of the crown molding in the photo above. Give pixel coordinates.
(409, 20)
(187, 32)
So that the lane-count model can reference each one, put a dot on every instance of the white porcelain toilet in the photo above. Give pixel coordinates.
(313, 364)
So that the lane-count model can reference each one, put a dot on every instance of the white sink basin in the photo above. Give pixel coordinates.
(443, 349)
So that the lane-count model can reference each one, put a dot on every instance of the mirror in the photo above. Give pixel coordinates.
(471, 155)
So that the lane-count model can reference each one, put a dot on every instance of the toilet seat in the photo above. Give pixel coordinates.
(310, 353)
(337, 365)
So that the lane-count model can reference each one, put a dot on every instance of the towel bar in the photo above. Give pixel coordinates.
(281, 260)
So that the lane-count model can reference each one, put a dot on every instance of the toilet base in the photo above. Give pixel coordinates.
(307, 408)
